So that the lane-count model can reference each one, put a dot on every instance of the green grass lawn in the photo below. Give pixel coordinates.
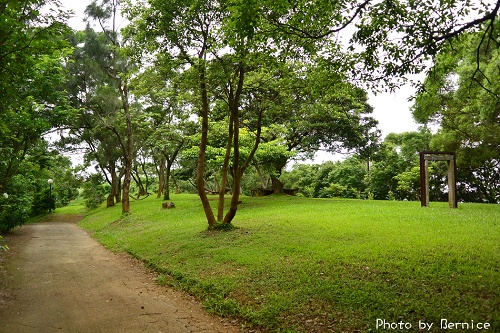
(313, 265)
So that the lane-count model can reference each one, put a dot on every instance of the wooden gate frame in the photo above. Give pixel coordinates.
(426, 156)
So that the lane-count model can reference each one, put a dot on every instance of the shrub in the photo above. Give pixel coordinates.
(15, 209)
(43, 202)
(94, 191)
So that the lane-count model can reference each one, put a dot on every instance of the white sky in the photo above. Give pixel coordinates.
(392, 110)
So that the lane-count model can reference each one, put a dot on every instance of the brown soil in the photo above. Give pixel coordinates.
(56, 278)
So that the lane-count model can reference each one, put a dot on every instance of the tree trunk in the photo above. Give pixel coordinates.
(225, 168)
(166, 195)
(176, 185)
(263, 181)
(235, 197)
(110, 200)
(200, 181)
(137, 179)
(234, 123)
(161, 178)
(126, 189)
(128, 151)
(118, 191)
(143, 167)
(239, 171)
(277, 185)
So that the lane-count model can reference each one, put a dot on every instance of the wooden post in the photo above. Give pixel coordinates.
(427, 194)
(423, 187)
(452, 185)
(450, 157)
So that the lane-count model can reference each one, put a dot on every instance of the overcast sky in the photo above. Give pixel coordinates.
(392, 110)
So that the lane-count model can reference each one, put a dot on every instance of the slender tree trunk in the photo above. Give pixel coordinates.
(235, 197)
(126, 190)
(110, 200)
(129, 151)
(176, 185)
(143, 167)
(239, 171)
(234, 102)
(161, 178)
(200, 181)
(118, 191)
(225, 168)
(166, 195)
(137, 179)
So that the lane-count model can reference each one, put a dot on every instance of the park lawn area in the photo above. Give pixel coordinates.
(321, 265)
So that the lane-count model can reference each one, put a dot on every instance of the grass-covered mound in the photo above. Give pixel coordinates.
(297, 264)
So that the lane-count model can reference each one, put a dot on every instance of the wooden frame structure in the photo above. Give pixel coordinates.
(425, 157)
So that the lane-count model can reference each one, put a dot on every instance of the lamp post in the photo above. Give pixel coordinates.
(50, 181)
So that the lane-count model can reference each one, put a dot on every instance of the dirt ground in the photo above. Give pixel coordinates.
(56, 278)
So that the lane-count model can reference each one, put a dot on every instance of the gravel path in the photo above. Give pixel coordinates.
(56, 278)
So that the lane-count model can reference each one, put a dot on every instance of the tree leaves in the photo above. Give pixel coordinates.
(461, 94)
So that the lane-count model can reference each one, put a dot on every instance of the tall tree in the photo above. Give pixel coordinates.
(398, 154)
(33, 48)
(461, 94)
(319, 109)
(383, 41)
(185, 29)
(165, 123)
(100, 86)
(199, 33)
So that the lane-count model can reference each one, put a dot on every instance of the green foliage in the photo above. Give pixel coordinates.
(33, 54)
(16, 209)
(43, 201)
(343, 179)
(33, 50)
(461, 94)
(391, 173)
(94, 191)
(293, 263)
(409, 182)
(396, 163)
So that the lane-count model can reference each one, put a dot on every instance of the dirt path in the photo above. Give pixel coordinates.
(58, 279)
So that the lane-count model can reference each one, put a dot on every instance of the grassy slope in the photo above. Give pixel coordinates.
(321, 265)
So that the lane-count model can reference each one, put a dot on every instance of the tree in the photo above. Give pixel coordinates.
(33, 50)
(461, 94)
(392, 168)
(343, 179)
(89, 91)
(186, 30)
(199, 34)
(319, 109)
(164, 122)
(220, 44)
(100, 87)
(385, 40)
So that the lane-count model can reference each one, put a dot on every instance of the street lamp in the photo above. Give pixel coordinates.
(50, 181)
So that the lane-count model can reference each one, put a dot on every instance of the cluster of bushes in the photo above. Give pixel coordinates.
(28, 194)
